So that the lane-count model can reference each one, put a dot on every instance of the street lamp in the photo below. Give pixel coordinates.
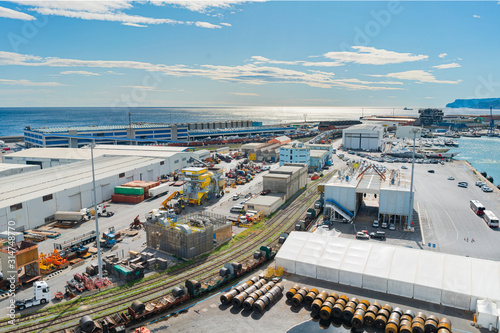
(96, 214)
(410, 214)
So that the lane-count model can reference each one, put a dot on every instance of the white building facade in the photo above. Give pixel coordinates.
(363, 137)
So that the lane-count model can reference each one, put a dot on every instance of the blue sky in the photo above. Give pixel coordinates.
(234, 52)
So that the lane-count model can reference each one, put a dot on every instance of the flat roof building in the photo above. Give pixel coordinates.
(364, 137)
(65, 181)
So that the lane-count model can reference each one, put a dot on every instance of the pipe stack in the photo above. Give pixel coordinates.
(357, 320)
(228, 297)
(273, 294)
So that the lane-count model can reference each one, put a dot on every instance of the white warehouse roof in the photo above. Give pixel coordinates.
(35, 184)
(434, 277)
(363, 128)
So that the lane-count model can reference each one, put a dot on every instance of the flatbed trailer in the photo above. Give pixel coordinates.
(84, 239)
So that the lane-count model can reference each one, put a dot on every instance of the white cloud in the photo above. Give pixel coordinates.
(135, 25)
(445, 66)
(202, 5)
(105, 16)
(476, 16)
(13, 14)
(207, 25)
(28, 83)
(248, 73)
(111, 11)
(85, 73)
(150, 88)
(420, 76)
(366, 55)
(429, 97)
(10, 92)
(113, 73)
(442, 55)
(263, 60)
(226, 24)
(244, 94)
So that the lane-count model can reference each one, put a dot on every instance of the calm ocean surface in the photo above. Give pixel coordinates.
(482, 153)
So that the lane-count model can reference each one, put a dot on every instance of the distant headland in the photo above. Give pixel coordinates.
(475, 103)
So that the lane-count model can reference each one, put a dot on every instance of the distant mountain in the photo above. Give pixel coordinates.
(475, 103)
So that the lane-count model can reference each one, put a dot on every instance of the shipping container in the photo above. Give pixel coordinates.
(129, 190)
(134, 199)
(158, 190)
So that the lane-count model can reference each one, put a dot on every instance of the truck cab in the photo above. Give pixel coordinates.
(41, 295)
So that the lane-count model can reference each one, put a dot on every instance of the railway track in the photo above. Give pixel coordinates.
(282, 223)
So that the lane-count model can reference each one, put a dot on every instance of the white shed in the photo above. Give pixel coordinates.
(364, 136)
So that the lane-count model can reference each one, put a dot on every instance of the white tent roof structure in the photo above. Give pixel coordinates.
(487, 313)
(438, 278)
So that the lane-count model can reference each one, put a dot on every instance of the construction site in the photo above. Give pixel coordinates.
(189, 235)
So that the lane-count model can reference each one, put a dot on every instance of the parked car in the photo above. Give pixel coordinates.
(362, 235)
(480, 184)
(462, 185)
(236, 197)
(392, 226)
(404, 167)
(451, 178)
(378, 234)
(384, 225)
(430, 171)
(486, 189)
(375, 224)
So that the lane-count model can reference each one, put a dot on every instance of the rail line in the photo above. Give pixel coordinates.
(277, 224)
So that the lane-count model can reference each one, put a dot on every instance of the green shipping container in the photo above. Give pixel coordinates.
(129, 190)
(121, 269)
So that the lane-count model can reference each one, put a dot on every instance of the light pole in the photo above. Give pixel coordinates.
(410, 214)
(96, 214)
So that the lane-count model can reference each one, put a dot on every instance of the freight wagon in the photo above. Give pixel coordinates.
(138, 311)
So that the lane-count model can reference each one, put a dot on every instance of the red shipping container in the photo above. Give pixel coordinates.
(133, 199)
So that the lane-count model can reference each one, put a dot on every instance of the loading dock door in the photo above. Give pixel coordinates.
(106, 192)
(75, 202)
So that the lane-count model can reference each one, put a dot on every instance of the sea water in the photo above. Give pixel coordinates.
(482, 153)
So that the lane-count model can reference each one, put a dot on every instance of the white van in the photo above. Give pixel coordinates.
(237, 209)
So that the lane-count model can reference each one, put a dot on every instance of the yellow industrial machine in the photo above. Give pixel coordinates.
(165, 204)
(202, 184)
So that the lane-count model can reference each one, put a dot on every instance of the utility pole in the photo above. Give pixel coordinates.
(96, 214)
(410, 214)
(130, 127)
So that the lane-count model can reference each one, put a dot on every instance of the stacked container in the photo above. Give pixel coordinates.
(128, 194)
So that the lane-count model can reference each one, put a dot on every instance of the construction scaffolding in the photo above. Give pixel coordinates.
(190, 236)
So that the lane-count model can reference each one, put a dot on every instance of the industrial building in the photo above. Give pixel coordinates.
(266, 203)
(20, 263)
(344, 195)
(406, 132)
(31, 199)
(283, 183)
(316, 156)
(190, 235)
(49, 157)
(433, 277)
(364, 137)
(143, 133)
(203, 184)
(264, 151)
(295, 152)
(9, 169)
(318, 159)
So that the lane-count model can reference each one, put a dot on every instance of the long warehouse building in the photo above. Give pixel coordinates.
(31, 199)
(438, 278)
